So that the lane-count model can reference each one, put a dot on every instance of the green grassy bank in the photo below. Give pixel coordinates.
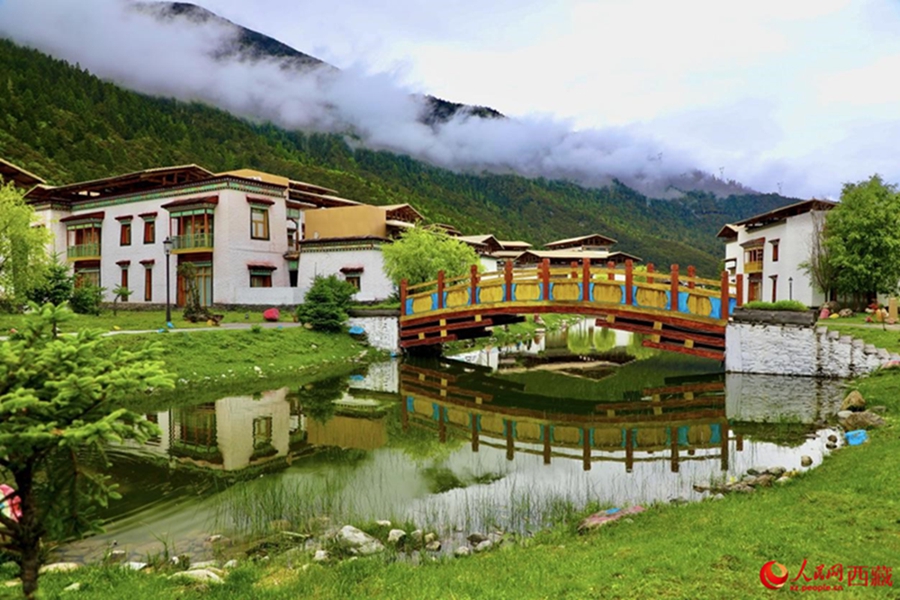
(137, 320)
(846, 512)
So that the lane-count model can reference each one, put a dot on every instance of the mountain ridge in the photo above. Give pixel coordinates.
(67, 125)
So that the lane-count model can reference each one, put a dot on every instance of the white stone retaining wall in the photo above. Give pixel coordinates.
(798, 350)
(383, 332)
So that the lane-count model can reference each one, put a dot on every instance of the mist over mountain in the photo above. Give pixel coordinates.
(187, 52)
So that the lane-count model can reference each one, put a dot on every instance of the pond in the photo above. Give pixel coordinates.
(509, 439)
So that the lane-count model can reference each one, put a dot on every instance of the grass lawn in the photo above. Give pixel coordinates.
(225, 356)
(139, 320)
(847, 512)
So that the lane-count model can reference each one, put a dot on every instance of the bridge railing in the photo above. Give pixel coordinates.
(579, 282)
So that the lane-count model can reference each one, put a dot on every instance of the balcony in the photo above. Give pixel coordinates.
(753, 266)
(83, 252)
(192, 241)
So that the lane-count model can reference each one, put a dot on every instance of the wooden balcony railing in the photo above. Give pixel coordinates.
(191, 241)
(83, 251)
(754, 266)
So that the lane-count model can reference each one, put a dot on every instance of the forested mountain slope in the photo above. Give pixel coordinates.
(66, 125)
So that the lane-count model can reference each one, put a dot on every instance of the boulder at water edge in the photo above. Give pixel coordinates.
(861, 420)
(358, 542)
(854, 401)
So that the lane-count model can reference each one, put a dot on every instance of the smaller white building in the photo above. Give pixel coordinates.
(768, 249)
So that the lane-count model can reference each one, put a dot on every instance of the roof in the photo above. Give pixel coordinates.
(514, 245)
(302, 186)
(319, 200)
(728, 231)
(487, 241)
(402, 212)
(255, 175)
(574, 255)
(123, 184)
(18, 175)
(594, 239)
(791, 210)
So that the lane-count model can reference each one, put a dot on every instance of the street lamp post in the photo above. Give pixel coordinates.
(168, 243)
(790, 288)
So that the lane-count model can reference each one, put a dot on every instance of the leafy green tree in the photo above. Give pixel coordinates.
(61, 400)
(23, 248)
(862, 236)
(423, 251)
(326, 303)
(57, 288)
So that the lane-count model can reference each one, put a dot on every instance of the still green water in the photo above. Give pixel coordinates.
(476, 443)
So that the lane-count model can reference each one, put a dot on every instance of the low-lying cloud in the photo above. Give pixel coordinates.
(184, 59)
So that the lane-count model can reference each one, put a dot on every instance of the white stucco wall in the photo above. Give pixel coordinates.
(795, 350)
(382, 332)
(234, 425)
(374, 284)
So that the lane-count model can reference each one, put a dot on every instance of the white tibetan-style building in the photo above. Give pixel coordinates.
(768, 250)
(255, 238)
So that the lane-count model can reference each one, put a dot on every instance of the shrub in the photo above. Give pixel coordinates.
(86, 299)
(788, 305)
(326, 303)
(57, 288)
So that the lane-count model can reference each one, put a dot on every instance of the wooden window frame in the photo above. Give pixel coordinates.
(264, 234)
(148, 284)
(150, 231)
(125, 233)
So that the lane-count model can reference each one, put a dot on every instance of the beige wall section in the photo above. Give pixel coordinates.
(347, 221)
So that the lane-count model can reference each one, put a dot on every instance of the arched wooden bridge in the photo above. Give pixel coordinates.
(681, 313)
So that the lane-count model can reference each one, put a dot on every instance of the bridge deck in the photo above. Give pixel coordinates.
(685, 314)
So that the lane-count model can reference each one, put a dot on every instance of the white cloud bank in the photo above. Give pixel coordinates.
(678, 86)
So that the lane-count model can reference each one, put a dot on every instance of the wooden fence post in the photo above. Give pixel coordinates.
(611, 266)
(440, 290)
(574, 269)
(629, 282)
(725, 296)
(403, 285)
(650, 271)
(740, 289)
(473, 285)
(545, 279)
(585, 280)
(508, 275)
(692, 272)
(673, 293)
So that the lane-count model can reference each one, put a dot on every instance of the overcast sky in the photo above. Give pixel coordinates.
(796, 95)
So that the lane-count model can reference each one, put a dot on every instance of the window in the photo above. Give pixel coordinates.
(354, 279)
(262, 432)
(775, 252)
(87, 276)
(260, 279)
(259, 223)
(125, 234)
(149, 231)
(774, 279)
(148, 284)
(124, 283)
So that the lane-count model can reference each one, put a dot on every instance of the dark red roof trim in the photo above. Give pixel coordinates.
(261, 265)
(123, 263)
(125, 218)
(189, 201)
(148, 261)
(85, 217)
(147, 215)
(260, 201)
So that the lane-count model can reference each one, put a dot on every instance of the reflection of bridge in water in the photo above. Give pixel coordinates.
(675, 421)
